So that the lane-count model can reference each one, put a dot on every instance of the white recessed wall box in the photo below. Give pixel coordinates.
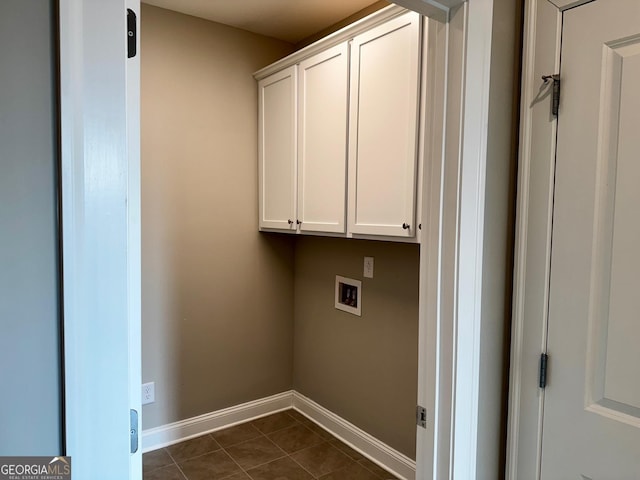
(349, 295)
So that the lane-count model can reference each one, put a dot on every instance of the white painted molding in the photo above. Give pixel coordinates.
(566, 4)
(468, 316)
(100, 235)
(541, 55)
(372, 448)
(176, 432)
(436, 9)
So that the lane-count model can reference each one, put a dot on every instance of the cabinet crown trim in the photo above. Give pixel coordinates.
(342, 35)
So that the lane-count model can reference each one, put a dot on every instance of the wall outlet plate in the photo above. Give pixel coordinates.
(368, 267)
(148, 393)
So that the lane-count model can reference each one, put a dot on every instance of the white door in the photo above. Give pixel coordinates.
(277, 150)
(383, 128)
(322, 141)
(591, 423)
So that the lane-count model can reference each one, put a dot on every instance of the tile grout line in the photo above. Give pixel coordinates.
(161, 466)
(302, 466)
(175, 463)
(246, 471)
(284, 454)
(197, 456)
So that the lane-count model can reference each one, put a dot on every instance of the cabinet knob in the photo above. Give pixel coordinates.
(406, 226)
(420, 227)
(298, 222)
(290, 222)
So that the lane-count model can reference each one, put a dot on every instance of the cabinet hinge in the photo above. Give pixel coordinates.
(544, 360)
(421, 416)
(132, 28)
(555, 101)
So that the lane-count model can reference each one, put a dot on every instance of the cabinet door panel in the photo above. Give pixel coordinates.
(383, 128)
(322, 141)
(277, 150)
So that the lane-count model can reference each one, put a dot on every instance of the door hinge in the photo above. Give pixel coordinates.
(133, 422)
(555, 101)
(544, 360)
(421, 416)
(132, 45)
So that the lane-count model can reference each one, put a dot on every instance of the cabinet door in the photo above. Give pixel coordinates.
(277, 150)
(383, 128)
(322, 141)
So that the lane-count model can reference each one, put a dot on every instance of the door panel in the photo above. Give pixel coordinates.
(591, 426)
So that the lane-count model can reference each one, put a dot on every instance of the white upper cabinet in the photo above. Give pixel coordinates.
(322, 141)
(383, 131)
(277, 150)
(338, 133)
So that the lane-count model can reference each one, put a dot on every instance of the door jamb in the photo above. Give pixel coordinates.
(541, 56)
(100, 234)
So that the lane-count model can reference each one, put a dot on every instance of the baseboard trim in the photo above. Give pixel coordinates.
(176, 432)
(372, 448)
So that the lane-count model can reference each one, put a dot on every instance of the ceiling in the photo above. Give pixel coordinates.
(288, 20)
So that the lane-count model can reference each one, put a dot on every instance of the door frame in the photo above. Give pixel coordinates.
(454, 361)
(534, 215)
(100, 210)
(462, 326)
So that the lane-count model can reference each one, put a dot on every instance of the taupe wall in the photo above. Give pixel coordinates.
(30, 403)
(364, 369)
(499, 236)
(217, 296)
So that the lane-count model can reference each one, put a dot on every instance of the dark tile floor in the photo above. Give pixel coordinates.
(283, 446)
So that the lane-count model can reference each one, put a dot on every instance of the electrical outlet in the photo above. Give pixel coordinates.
(148, 393)
(368, 267)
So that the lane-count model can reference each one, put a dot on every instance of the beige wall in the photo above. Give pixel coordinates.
(364, 369)
(217, 300)
(374, 7)
(218, 297)
(497, 268)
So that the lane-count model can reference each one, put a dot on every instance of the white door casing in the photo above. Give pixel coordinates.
(541, 56)
(81, 23)
(99, 97)
(586, 423)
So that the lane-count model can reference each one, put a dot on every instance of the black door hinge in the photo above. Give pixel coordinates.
(131, 34)
(544, 360)
(555, 102)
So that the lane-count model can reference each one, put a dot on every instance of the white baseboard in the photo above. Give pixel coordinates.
(176, 432)
(372, 448)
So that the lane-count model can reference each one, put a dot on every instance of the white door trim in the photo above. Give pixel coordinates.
(541, 56)
(459, 263)
(453, 352)
(99, 100)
